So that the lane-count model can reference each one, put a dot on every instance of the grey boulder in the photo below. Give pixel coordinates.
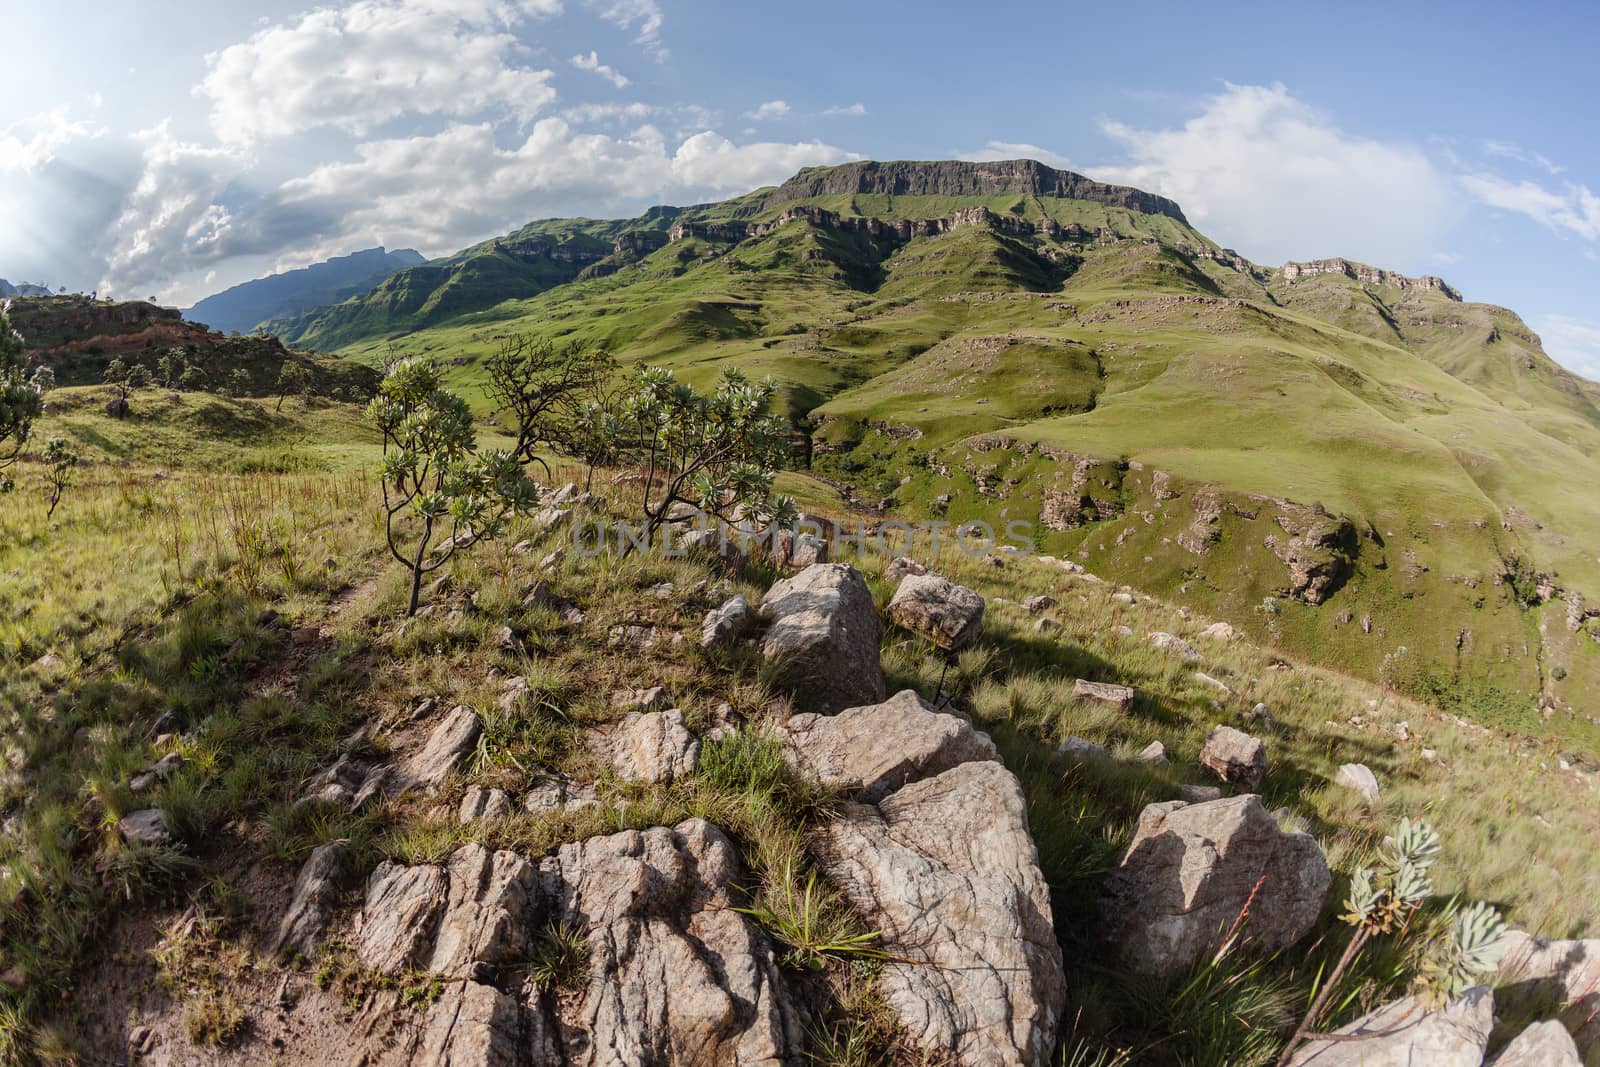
(825, 633)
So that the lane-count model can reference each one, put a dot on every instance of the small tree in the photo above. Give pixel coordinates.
(20, 400)
(192, 380)
(540, 386)
(63, 463)
(116, 372)
(43, 380)
(717, 453)
(597, 431)
(433, 475)
(294, 378)
(239, 382)
(138, 376)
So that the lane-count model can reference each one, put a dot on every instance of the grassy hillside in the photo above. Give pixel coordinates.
(963, 356)
(250, 622)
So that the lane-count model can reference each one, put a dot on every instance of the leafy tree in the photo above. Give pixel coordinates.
(193, 379)
(433, 475)
(540, 385)
(63, 462)
(598, 431)
(43, 380)
(717, 453)
(20, 400)
(294, 378)
(116, 372)
(138, 376)
(169, 368)
(239, 382)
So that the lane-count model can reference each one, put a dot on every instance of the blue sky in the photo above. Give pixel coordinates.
(170, 149)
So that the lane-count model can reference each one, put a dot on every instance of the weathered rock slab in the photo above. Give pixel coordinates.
(654, 746)
(949, 615)
(316, 891)
(1235, 757)
(455, 736)
(1411, 1036)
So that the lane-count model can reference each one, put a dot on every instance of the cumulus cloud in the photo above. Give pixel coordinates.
(772, 109)
(1574, 209)
(854, 111)
(359, 66)
(1262, 171)
(442, 191)
(592, 64)
(1573, 343)
(31, 143)
(171, 219)
(998, 150)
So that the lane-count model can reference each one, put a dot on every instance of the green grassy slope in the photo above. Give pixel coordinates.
(1212, 404)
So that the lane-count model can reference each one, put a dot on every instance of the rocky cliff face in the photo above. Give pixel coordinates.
(1019, 177)
(894, 229)
(1367, 275)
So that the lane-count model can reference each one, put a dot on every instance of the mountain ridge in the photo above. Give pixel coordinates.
(243, 307)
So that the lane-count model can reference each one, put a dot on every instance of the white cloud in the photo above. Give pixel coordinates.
(643, 15)
(854, 111)
(1573, 343)
(1575, 209)
(1509, 150)
(171, 220)
(444, 191)
(772, 109)
(998, 150)
(1263, 172)
(357, 67)
(31, 143)
(592, 64)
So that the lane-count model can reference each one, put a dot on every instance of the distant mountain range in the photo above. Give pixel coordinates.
(7, 289)
(1343, 460)
(246, 306)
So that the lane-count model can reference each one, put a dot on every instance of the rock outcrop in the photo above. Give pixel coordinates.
(316, 891)
(1541, 976)
(1545, 1044)
(653, 746)
(944, 867)
(949, 615)
(455, 736)
(1186, 876)
(826, 633)
(1405, 1034)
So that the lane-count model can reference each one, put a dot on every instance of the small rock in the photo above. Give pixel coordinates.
(947, 614)
(1214, 683)
(1176, 645)
(1359, 777)
(558, 793)
(447, 746)
(1235, 757)
(1545, 1044)
(726, 624)
(1080, 749)
(1155, 753)
(1199, 794)
(480, 803)
(1046, 625)
(1260, 718)
(654, 747)
(654, 698)
(507, 641)
(538, 596)
(1117, 696)
(1033, 605)
(1405, 1033)
(147, 827)
(1218, 631)
(901, 566)
(316, 892)
(826, 634)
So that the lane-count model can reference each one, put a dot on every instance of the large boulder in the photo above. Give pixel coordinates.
(1545, 1044)
(1540, 976)
(488, 914)
(1190, 870)
(1358, 777)
(945, 869)
(949, 615)
(869, 752)
(825, 632)
(1235, 757)
(676, 976)
(316, 891)
(1405, 1034)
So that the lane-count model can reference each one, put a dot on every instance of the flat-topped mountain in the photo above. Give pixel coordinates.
(1355, 463)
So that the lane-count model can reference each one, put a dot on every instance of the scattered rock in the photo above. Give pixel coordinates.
(1176, 645)
(1046, 625)
(558, 793)
(1358, 777)
(1033, 605)
(1116, 696)
(148, 827)
(949, 615)
(1545, 1044)
(402, 906)
(1190, 869)
(946, 870)
(1406, 1034)
(1080, 749)
(159, 771)
(1155, 754)
(1260, 718)
(1219, 631)
(1235, 757)
(1213, 683)
(654, 698)
(653, 746)
(726, 624)
(480, 803)
(901, 566)
(447, 746)
(826, 631)
(871, 751)
(675, 974)
(316, 891)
